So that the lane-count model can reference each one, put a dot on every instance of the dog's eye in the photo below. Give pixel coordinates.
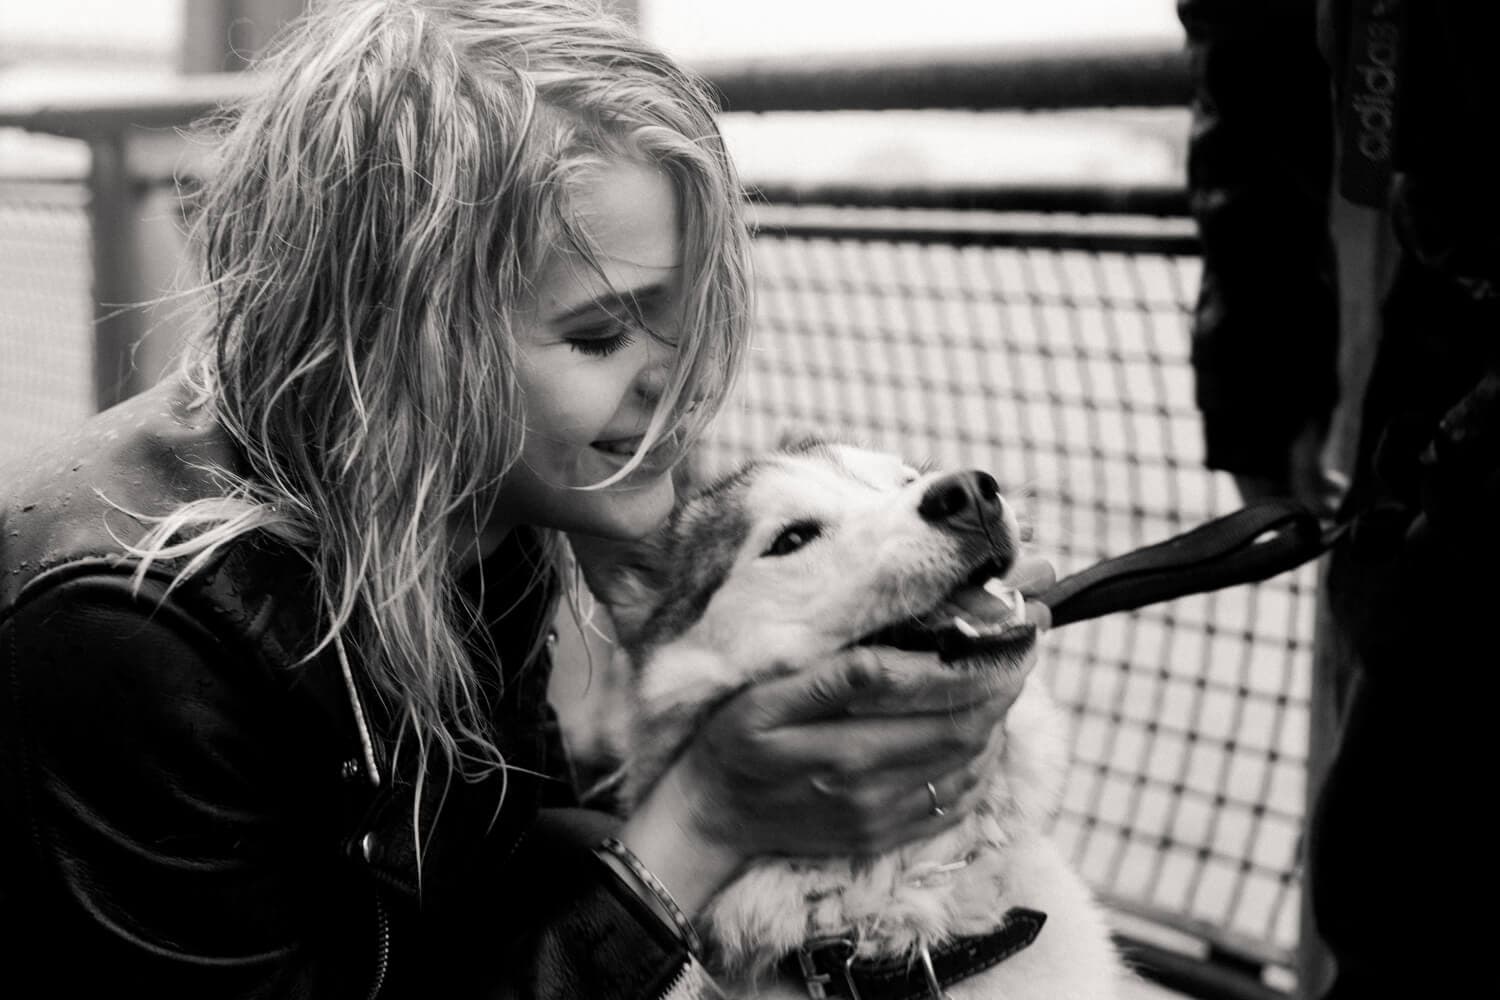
(793, 537)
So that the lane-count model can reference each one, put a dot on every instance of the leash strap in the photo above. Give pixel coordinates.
(828, 968)
(1251, 544)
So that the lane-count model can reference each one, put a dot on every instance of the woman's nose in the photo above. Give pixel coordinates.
(651, 380)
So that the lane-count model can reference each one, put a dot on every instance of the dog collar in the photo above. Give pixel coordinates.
(828, 968)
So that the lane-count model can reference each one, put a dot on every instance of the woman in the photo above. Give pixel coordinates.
(273, 632)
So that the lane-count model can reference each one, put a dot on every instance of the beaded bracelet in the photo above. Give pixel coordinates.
(613, 847)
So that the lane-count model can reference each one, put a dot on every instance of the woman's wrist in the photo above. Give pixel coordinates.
(632, 871)
(661, 833)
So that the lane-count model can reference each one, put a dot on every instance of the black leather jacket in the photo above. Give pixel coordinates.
(186, 810)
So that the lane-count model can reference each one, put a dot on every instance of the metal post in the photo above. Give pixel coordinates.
(1330, 660)
(224, 35)
(117, 280)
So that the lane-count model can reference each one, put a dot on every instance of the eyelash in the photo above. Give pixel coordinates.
(601, 347)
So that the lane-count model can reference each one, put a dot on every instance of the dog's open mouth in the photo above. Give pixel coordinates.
(953, 631)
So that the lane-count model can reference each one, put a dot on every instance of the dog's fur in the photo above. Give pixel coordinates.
(709, 610)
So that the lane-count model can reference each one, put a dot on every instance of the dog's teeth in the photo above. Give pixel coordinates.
(1009, 597)
(965, 627)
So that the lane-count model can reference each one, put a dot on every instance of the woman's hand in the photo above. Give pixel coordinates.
(1308, 477)
(832, 760)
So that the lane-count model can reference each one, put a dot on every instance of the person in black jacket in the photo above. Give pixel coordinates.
(1321, 129)
(273, 634)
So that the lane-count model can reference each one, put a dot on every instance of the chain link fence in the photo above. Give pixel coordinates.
(46, 312)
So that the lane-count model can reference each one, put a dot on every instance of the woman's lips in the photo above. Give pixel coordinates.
(622, 447)
(616, 452)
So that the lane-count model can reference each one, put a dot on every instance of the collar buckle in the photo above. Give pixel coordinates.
(840, 950)
(934, 985)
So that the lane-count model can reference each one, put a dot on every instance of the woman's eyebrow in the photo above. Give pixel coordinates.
(632, 301)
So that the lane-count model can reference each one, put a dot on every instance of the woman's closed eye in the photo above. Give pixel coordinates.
(600, 341)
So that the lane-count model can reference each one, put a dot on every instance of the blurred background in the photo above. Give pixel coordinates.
(973, 247)
(67, 43)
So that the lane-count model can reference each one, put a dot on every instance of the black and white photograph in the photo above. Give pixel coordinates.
(748, 499)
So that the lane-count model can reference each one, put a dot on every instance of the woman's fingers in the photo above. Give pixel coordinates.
(864, 680)
(901, 805)
(837, 757)
(862, 745)
(1031, 575)
(819, 692)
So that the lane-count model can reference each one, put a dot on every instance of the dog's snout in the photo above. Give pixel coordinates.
(961, 497)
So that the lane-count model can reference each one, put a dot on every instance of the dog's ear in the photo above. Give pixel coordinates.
(624, 576)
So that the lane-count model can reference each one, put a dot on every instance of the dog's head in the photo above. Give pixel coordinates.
(816, 547)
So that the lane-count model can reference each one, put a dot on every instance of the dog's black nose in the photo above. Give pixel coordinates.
(965, 498)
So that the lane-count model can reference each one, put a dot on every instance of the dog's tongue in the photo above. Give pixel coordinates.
(993, 606)
(970, 622)
(975, 621)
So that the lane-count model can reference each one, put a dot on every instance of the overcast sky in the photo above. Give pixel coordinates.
(709, 28)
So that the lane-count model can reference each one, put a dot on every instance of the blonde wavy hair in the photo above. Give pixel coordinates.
(373, 224)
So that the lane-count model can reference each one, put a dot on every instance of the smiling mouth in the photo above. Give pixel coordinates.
(953, 636)
(618, 447)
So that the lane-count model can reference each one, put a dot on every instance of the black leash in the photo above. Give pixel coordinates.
(1254, 543)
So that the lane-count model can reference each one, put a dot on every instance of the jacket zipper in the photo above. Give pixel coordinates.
(382, 949)
(516, 846)
(690, 983)
(676, 982)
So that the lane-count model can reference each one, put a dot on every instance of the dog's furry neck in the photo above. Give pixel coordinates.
(892, 903)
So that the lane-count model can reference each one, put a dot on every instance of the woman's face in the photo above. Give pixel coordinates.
(590, 374)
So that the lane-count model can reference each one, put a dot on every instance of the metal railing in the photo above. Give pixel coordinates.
(1041, 332)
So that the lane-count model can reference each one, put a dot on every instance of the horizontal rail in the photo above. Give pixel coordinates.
(1102, 234)
(162, 103)
(1193, 976)
(1163, 200)
(1008, 79)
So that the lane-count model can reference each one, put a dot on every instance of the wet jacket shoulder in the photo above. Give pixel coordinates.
(187, 806)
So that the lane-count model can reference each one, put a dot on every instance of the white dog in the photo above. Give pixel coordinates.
(804, 552)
